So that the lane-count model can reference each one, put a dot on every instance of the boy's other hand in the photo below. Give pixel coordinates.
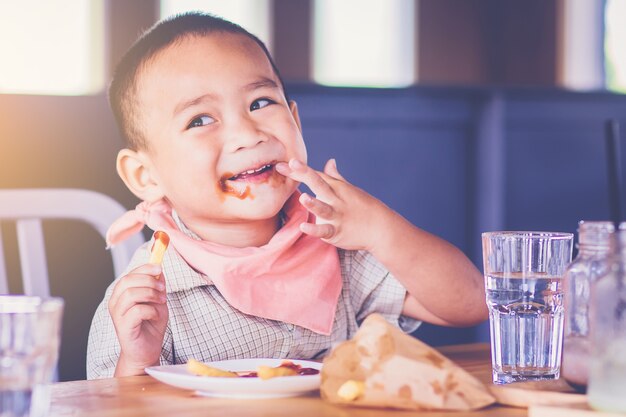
(345, 214)
(443, 285)
(139, 311)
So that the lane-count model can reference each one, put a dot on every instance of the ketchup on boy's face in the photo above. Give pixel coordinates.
(238, 185)
(228, 189)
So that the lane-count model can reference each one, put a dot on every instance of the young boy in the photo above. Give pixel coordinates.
(254, 268)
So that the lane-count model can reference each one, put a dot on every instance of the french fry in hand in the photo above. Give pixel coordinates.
(161, 241)
(201, 369)
(267, 372)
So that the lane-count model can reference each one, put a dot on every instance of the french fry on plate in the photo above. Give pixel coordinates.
(201, 369)
(285, 369)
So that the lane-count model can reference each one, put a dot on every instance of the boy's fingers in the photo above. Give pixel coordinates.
(136, 279)
(142, 312)
(120, 305)
(331, 170)
(134, 296)
(283, 168)
(147, 269)
(323, 231)
(317, 207)
(300, 172)
(303, 173)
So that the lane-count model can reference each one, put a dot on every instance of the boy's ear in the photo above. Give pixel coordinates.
(134, 169)
(294, 112)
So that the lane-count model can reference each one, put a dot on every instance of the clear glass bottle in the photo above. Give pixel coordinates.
(607, 369)
(590, 263)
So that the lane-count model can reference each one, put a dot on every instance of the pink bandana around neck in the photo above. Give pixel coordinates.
(294, 278)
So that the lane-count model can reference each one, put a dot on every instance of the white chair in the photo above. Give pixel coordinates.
(28, 207)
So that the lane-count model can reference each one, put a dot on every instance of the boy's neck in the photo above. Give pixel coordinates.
(240, 235)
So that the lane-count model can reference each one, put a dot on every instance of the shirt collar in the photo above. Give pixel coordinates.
(179, 275)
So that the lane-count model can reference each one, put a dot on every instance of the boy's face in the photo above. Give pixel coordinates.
(217, 121)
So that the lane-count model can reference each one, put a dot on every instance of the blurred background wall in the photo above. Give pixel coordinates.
(494, 122)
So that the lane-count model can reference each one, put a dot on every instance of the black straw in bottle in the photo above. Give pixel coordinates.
(615, 198)
(614, 171)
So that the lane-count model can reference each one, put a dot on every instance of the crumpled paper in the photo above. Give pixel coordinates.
(396, 370)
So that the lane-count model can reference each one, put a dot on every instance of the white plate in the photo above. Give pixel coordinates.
(286, 386)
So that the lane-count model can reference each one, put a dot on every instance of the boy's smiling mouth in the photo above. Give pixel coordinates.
(259, 174)
(238, 185)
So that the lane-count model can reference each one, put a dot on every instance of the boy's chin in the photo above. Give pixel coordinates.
(265, 206)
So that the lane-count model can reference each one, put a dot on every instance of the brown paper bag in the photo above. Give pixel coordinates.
(398, 371)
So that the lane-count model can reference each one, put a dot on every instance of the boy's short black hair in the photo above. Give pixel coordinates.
(123, 87)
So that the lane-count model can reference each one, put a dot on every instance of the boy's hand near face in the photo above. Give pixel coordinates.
(344, 213)
(139, 312)
(443, 286)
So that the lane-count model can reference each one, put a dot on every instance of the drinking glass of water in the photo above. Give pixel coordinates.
(30, 331)
(523, 280)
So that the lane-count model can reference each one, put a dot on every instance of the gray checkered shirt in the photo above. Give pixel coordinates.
(202, 325)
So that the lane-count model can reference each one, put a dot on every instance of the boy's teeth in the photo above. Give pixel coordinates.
(252, 171)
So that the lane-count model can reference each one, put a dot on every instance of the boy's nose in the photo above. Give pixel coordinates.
(244, 133)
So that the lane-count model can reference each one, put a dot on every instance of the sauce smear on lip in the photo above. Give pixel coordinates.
(275, 180)
(229, 190)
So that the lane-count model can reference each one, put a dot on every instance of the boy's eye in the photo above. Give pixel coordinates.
(200, 121)
(260, 103)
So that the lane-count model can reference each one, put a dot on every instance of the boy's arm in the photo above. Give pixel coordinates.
(443, 286)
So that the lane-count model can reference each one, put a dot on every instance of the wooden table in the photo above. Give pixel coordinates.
(145, 396)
